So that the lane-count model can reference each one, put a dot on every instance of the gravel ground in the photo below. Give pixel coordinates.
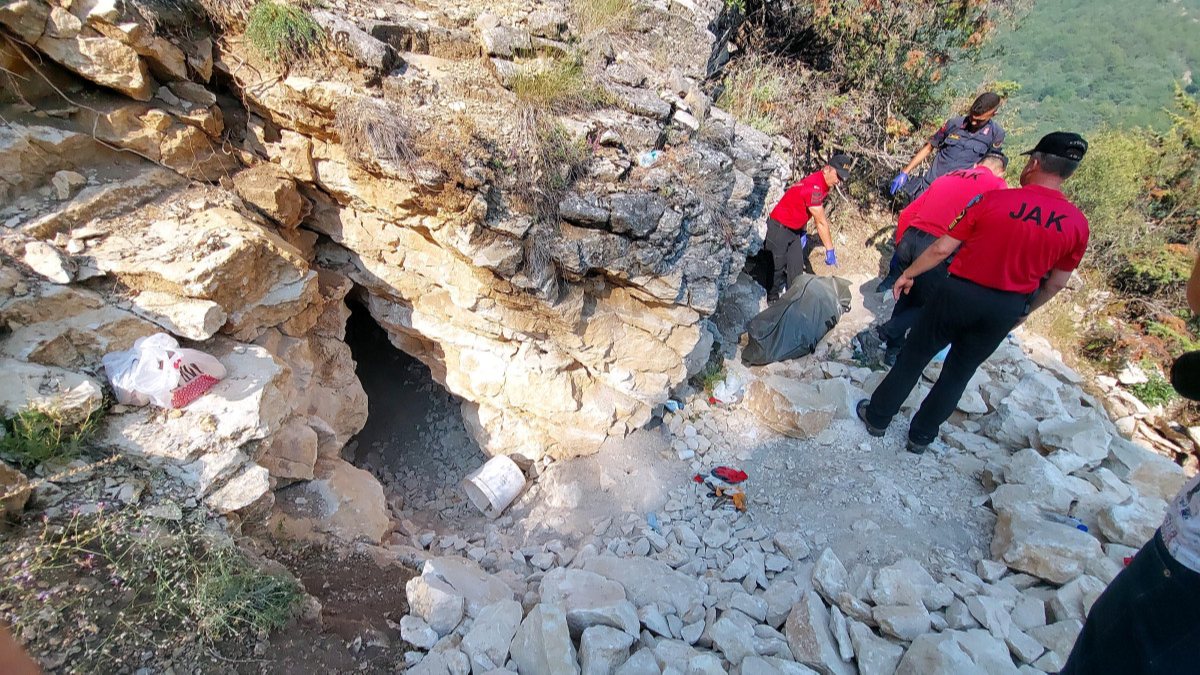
(866, 498)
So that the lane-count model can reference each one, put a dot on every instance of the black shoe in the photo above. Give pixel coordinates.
(890, 356)
(868, 344)
(885, 285)
(917, 448)
(861, 411)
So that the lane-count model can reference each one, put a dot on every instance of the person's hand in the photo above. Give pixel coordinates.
(831, 258)
(897, 183)
(903, 285)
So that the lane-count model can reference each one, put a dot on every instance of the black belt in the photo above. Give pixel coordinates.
(802, 230)
(1028, 297)
(994, 290)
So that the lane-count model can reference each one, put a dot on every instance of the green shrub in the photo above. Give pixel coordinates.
(1156, 391)
(562, 87)
(37, 436)
(232, 596)
(1178, 341)
(1109, 188)
(1154, 272)
(154, 587)
(282, 33)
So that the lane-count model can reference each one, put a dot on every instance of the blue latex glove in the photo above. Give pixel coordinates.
(804, 241)
(831, 258)
(897, 183)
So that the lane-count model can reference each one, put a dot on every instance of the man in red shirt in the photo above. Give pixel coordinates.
(921, 224)
(1014, 250)
(787, 226)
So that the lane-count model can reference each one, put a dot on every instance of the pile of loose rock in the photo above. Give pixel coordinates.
(693, 590)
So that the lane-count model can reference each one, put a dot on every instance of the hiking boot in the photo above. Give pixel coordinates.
(890, 356)
(868, 343)
(917, 448)
(861, 411)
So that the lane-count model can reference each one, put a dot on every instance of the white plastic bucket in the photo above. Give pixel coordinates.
(493, 486)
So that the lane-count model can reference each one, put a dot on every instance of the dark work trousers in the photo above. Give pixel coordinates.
(789, 257)
(973, 320)
(1146, 621)
(908, 306)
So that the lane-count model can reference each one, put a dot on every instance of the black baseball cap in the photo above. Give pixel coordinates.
(841, 164)
(1065, 144)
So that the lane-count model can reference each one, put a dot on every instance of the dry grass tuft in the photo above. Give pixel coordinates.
(596, 17)
(228, 15)
(371, 129)
(762, 92)
(562, 87)
(554, 160)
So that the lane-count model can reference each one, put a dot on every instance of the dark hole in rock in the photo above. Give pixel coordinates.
(415, 441)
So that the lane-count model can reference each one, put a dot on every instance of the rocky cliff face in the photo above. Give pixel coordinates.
(543, 213)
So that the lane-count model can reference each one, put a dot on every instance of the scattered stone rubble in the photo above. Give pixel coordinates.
(696, 590)
(552, 350)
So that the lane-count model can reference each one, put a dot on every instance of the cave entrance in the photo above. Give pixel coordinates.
(414, 441)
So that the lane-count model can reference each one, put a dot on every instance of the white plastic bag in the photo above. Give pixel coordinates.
(158, 370)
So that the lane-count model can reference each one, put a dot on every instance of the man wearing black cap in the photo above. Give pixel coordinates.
(787, 226)
(922, 223)
(1014, 250)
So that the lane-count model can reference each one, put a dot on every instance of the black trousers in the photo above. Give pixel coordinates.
(973, 320)
(1146, 621)
(789, 257)
(908, 306)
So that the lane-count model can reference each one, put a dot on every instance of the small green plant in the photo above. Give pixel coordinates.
(282, 33)
(564, 159)
(1179, 341)
(231, 596)
(154, 586)
(1162, 269)
(713, 372)
(1155, 391)
(562, 87)
(37, 436)
(738, 5)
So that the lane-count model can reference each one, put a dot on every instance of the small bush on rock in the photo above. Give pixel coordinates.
(36, 436)
(562, 87)
(1156, 391)
(603, 16)
(282, 33)
(106, 586)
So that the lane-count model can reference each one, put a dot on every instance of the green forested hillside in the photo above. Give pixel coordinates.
(1082, 64)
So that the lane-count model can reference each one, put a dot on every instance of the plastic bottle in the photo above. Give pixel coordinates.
(648, 158)
(1065, 520)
